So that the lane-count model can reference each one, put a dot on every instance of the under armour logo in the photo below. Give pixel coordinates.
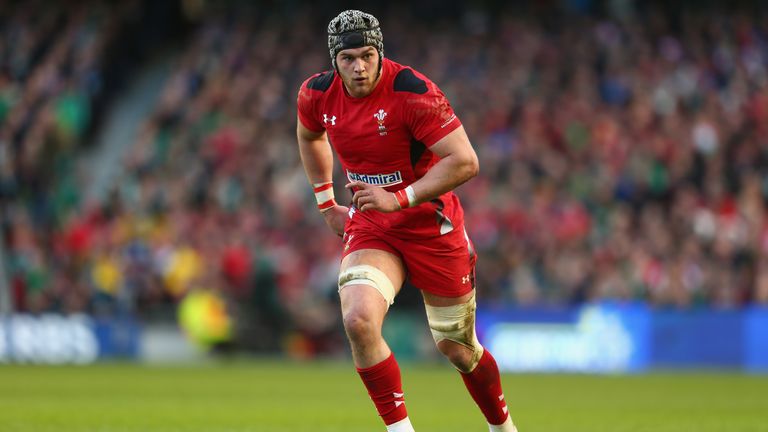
(504, 409)
(397, 395)
(465, 279)
(332, 119)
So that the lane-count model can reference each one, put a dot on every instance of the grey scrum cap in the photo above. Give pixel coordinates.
(354, 29)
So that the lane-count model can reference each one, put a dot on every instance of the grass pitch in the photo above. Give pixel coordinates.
(328, 397)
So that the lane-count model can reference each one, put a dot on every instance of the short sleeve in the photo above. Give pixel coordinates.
(430, 116)
(305, 103)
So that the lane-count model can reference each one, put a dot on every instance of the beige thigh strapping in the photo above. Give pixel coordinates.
(456, 323)
(371, 276)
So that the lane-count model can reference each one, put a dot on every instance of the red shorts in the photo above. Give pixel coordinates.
(442, 265)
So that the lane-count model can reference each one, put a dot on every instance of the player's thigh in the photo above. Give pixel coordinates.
(370, 267)
(440, 301)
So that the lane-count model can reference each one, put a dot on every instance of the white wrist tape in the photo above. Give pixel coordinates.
(324, 195)
(411, 196)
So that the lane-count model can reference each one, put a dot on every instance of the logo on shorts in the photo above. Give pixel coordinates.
(382, 180)
(379, 116)
(465, 279)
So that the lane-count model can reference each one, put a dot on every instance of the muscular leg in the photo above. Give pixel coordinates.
(476, 365)
(364, 307)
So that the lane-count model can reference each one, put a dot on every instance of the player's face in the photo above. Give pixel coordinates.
(359, 69)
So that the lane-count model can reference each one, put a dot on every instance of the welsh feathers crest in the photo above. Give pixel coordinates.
(379, 116)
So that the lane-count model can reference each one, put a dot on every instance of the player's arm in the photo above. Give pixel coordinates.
(316, 155)
(317, 159)
(458, 163)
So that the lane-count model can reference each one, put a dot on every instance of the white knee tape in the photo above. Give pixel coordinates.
(456, 323)
(371, 276)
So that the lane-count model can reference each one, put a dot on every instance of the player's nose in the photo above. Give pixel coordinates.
(359, 66)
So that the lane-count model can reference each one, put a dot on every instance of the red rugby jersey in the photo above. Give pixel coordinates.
(384, 139)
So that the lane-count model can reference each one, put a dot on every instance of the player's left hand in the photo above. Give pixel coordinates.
(370, 197)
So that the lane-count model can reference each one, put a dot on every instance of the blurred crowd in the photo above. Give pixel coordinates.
(51, 82)
(623, 154)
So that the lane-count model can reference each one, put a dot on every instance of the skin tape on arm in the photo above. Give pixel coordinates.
(371, 276)
(456, 323)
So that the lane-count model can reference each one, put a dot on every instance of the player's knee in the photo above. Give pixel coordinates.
(460, 356)
(360, 325)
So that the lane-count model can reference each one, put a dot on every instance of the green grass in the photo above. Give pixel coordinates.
(324, 397)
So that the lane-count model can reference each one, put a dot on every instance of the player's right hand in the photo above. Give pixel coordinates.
(336, 218)
(372, 197)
